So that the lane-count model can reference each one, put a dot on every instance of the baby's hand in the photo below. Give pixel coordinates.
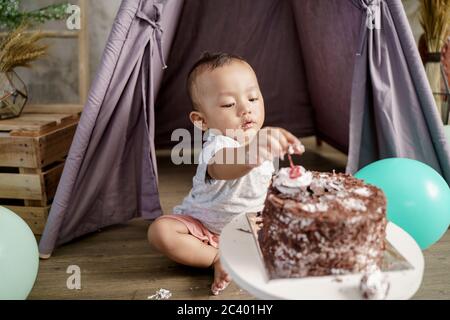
(271, 142)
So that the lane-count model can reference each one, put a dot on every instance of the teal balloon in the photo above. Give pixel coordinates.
(418, 198)
(19, 257)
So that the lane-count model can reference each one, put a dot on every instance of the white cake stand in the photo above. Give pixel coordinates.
(240, 258)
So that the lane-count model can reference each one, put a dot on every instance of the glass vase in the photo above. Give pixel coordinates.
(13, 95)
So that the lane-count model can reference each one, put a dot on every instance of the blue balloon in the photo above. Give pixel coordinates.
(418, 198)
(19, 257)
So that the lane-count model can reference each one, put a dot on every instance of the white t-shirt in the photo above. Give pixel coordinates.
(216, 202)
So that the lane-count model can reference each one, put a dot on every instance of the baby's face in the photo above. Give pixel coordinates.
(229, 98)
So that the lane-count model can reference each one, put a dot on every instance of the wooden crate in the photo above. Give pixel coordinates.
(33, 148)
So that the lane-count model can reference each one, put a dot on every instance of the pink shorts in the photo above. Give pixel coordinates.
(196, 228)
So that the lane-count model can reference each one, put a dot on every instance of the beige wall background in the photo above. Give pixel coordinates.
(412, 11)
(55, 78)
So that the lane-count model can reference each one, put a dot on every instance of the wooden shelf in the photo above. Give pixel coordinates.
(53, 108)
(50, 33)
(34, 148)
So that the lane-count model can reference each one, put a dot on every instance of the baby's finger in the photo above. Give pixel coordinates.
(283, 142)
(297, 147)
(290, 137)
(275, 147)
(300, 149)
(279, 135)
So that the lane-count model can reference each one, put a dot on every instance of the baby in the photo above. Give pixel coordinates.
(235, 164)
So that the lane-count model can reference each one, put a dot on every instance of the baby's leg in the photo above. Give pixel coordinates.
(172, 238)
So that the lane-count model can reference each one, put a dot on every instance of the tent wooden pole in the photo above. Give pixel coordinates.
(83, 54)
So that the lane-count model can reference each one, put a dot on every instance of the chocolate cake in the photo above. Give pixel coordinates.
(321, 224)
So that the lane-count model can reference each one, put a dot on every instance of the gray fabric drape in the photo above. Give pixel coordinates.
(328, 31)
(110, 172)
(264, 33)
(393, 113)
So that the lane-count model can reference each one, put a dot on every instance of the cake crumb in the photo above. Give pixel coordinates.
(374, 285)
(161, 294)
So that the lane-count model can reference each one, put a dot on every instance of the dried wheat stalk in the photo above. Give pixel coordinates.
(19, 49)
(435, 19)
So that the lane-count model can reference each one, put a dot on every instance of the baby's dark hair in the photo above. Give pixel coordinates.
(210, 61)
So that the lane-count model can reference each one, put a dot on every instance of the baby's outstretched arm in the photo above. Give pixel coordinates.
(270, 142)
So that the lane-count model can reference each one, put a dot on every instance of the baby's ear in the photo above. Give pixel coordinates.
(198, 120)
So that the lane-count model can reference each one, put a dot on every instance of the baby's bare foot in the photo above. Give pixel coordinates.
(221, 278)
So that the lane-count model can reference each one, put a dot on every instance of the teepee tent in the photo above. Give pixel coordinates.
(347, 71)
